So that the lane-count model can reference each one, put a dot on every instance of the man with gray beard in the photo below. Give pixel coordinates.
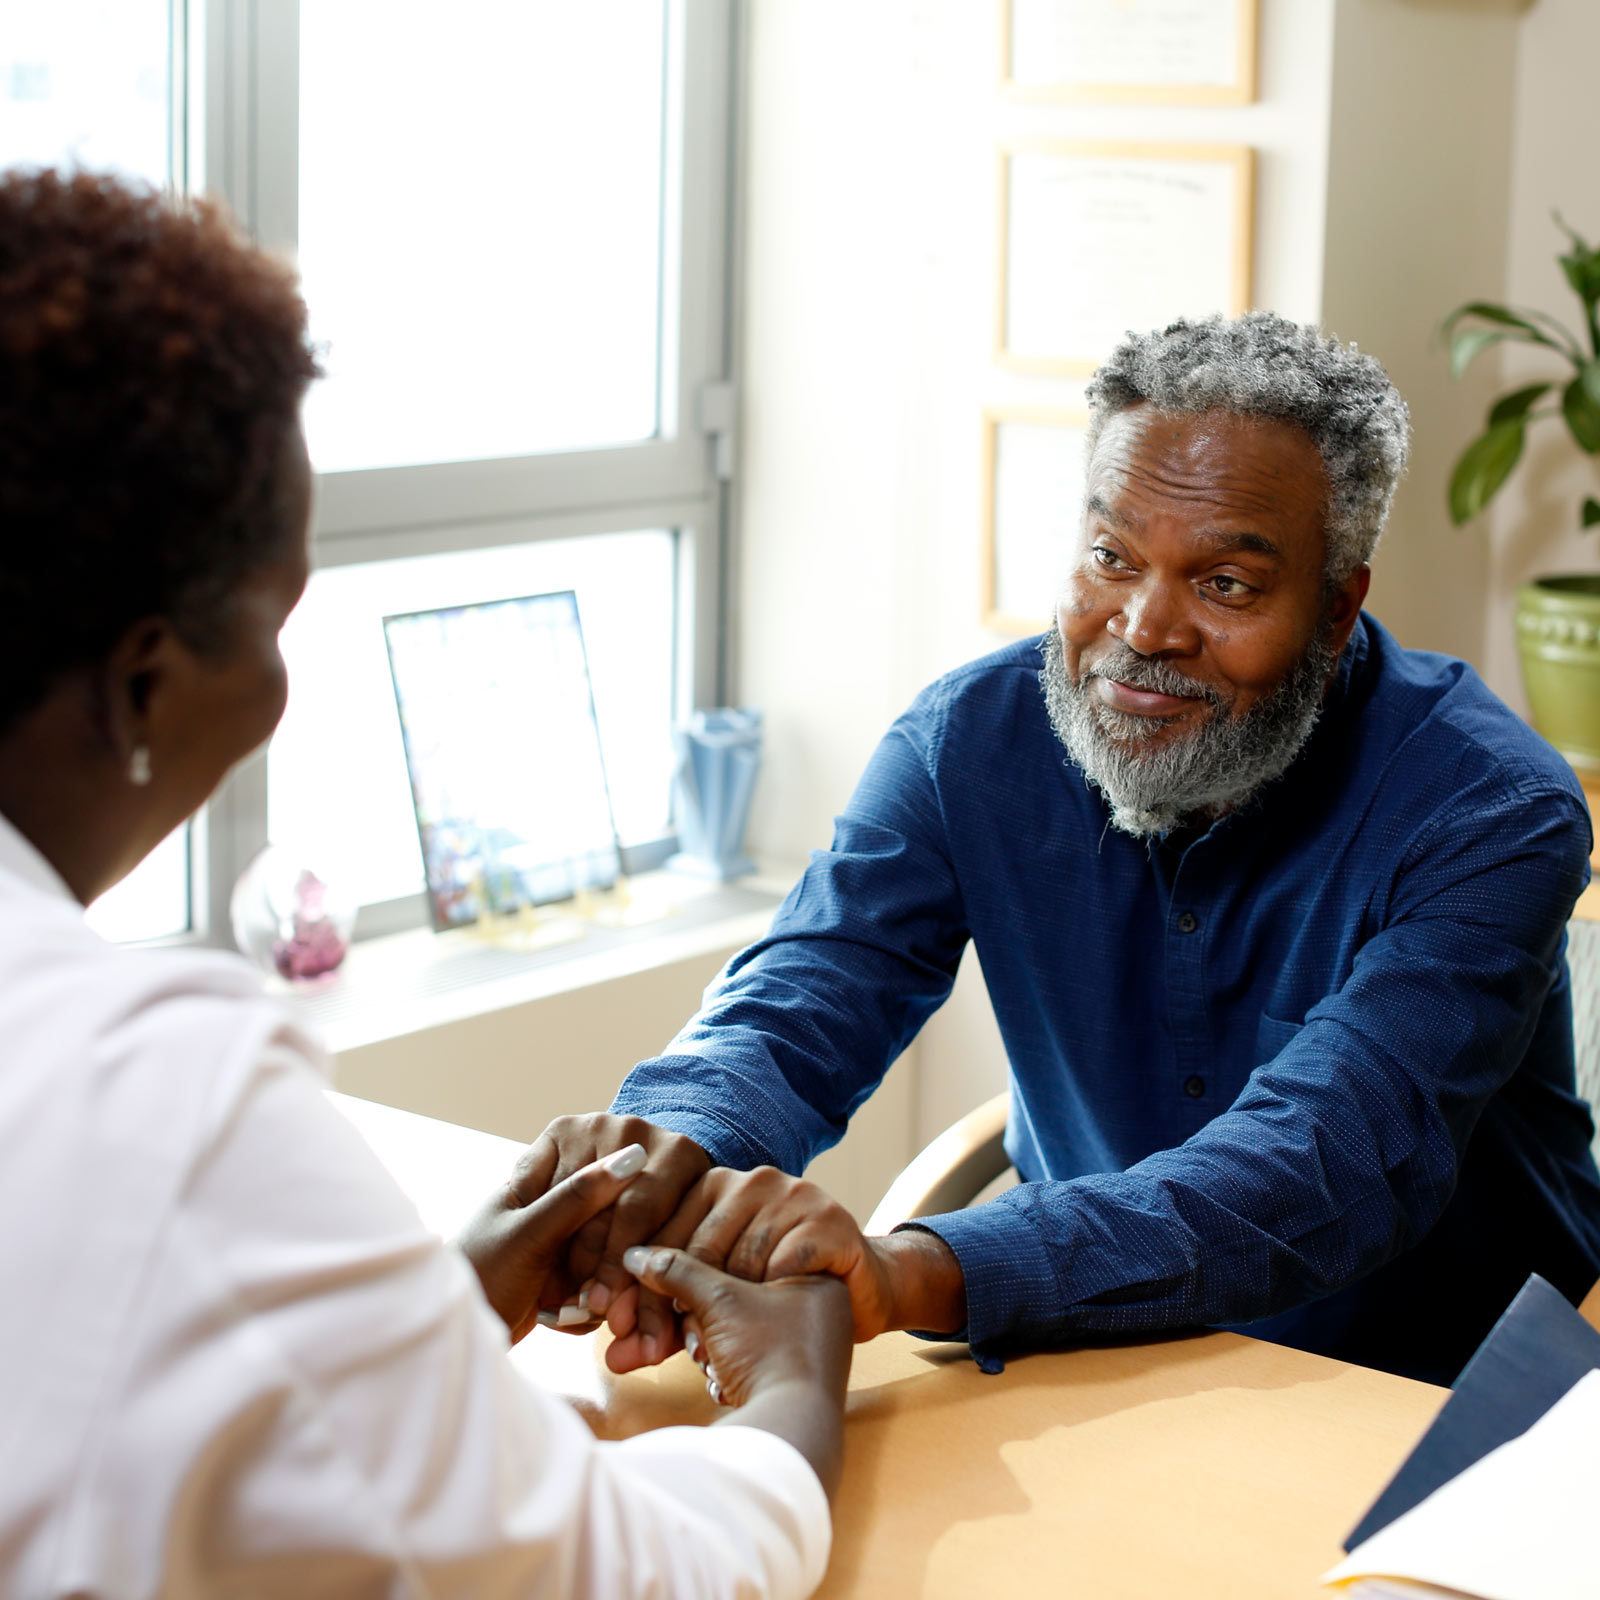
(1271, 912)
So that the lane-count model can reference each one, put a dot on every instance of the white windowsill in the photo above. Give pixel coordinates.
(410, 982)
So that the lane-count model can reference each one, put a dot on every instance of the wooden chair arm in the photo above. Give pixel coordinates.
(951, 1171)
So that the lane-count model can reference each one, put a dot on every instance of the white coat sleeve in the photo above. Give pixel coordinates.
(369, 1424)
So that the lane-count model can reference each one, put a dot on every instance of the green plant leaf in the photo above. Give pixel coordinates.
(1583, 273)
(1591, 379)
(1469, 343)
(1591, 512)
(1485, 464)
(1578, 406)
(1517, 403)
(1582, 266)
(1488, 311)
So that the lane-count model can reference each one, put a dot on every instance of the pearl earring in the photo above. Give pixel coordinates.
(139, 766)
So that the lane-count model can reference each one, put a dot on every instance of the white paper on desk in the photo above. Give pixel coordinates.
(1518, 1525)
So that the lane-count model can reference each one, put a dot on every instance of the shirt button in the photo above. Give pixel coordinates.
(1188, 922)
(1194, 1086)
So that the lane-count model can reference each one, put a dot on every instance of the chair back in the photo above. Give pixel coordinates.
(1583, 962)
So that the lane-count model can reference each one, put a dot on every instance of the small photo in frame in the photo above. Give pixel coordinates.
(1140, 52)
(1033, 486)
(507, 776)
(1097, 238)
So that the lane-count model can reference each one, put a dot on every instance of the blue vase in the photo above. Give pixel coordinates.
(719, 754)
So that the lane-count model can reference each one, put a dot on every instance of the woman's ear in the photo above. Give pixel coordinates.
(136, 671)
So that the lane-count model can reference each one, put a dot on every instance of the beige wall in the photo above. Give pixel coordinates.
(1418, 188)
(1532, 528)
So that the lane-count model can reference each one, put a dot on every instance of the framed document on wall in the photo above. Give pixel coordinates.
(1032, 503)
(1097, 238)
(1171, 52)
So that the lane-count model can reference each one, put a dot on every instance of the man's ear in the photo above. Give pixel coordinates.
(1345, 607)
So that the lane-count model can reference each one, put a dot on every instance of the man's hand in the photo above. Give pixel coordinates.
(516, 1238)
(673, 1164)
(763, 1225)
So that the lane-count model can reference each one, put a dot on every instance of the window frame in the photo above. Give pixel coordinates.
(237, 127)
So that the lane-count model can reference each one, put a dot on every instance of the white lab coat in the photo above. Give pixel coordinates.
(232, 1360)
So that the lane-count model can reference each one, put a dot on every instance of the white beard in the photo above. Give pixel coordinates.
(1151, 784)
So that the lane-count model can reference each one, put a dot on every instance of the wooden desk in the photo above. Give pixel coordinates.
(1204, 1466)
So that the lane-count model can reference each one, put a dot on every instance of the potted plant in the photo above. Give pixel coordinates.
(1557, 617)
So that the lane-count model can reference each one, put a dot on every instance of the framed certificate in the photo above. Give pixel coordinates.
(1098, 238)
(1033, 477)
(1171, 52)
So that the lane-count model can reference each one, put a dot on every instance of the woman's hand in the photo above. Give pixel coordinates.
(779, 1352)
(515, 1242)
(764, 1224)
(593, 1262)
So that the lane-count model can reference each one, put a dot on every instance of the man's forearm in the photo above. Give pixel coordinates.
(927, 1290)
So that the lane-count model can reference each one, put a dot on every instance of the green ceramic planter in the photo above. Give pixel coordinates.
(1558, 637)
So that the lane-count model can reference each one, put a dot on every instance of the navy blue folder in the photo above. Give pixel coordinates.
(1536, 1352)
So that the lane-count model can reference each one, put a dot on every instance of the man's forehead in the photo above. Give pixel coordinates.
(1249, 463)
(1145, 425)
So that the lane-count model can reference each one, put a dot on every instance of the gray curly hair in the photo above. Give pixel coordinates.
(1263, 365)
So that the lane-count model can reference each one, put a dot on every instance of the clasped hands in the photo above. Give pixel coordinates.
(759, 1226)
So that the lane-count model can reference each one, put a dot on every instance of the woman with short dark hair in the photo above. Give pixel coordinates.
(231, 1358)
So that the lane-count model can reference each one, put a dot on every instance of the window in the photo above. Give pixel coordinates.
(91, 82)
(486, 274)
(510, 218)
(88, 81)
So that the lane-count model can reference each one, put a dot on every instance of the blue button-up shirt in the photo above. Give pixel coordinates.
(1312, 1065)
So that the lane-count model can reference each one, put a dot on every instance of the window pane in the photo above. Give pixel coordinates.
(336, 770)
(480, 225)
(85, 81)
(152, 902)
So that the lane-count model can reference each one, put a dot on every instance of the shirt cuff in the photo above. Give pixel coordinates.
(766, 1498)
(720, 1140)
(1011, 1281)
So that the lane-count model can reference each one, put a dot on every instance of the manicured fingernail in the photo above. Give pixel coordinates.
(597, 1298)
(570, 1316)
(584, 1293)
(691, 1343)
(636, 1258)
(548, 1319)
(626, 1162)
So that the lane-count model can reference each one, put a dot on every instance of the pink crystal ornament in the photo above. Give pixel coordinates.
(288, 919)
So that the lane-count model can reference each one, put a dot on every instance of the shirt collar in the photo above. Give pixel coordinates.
(21, 860)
